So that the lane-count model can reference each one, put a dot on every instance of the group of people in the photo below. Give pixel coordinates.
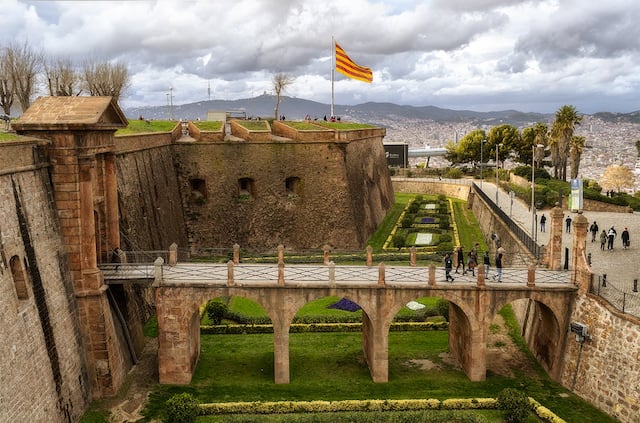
(608, 237)
(472, 262)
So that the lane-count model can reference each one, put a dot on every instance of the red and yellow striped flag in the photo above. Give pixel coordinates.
(349, 68)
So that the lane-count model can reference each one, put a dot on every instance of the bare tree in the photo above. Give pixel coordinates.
(617, 177)
(6, 86)
(61, 77)
(23, 64)
(280, 83)
(103, 78)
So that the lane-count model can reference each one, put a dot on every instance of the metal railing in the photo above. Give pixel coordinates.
(522, 235)
(621, 295)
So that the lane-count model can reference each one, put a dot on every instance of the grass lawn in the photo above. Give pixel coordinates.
(208, 125)
(8, 136)
(138, 126)
(330, 366)
(380, 236)
(341, 126)
(253, 125)
(304, 126)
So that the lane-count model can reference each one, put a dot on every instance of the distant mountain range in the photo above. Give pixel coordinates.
(297, 108)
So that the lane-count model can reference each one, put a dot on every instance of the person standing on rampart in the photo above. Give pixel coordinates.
(543, 223)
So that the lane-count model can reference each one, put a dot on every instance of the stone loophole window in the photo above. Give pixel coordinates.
(198, 190)
(246, 188)
(19, 278)
(292, 186)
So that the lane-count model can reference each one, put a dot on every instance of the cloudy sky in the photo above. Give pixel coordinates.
(462, 54)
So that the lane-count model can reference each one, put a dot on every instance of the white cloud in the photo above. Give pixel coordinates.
(533, 54)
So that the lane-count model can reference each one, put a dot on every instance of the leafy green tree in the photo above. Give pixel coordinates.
(562, 130)
(537, 134)
(508, 136)
(468, 148)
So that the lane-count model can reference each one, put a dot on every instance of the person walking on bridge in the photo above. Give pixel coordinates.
(448, 266)
(487, 263)
(499, 258)
(460, 259)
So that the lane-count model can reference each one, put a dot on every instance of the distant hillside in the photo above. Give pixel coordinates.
(633, 117)
(297, 109)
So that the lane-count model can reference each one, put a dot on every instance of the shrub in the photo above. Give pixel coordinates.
(443, 308)
(445, 238)
(399, 240)
(515, 405)
(182, 408)
(216, 311)
(453, 173)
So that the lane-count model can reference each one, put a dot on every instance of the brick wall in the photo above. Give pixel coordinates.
(42, 373)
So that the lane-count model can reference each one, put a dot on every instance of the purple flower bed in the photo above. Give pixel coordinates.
(428, 220)
(346, 305)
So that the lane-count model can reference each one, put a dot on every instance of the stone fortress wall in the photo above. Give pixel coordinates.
(43, 371)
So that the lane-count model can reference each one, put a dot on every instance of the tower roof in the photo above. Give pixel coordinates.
(79, 112)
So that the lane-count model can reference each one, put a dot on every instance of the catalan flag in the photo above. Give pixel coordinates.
(349, 68)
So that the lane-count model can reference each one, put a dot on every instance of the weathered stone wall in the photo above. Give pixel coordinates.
(151, 215)
(43, 371)
(427, 186)
(606, 370)
(339, 194)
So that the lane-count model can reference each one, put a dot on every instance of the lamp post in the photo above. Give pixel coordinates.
(482, 141)
(534, 232)
(497, 150)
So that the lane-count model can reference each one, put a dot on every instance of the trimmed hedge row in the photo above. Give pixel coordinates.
(283, 407)
(318, 327)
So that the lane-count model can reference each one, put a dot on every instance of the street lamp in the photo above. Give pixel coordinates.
(482, 141)
(534, 232)
(497, 150)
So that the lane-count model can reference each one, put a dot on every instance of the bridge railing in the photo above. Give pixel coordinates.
(281, 274)
(522, 235)
(622, 295)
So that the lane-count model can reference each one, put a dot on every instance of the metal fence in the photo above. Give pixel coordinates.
(622, 295)
(514, 227)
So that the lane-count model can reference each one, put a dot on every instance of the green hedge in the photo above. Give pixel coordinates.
(319, 327)
(375, 405)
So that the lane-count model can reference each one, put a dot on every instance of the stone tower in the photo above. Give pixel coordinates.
(82, 157)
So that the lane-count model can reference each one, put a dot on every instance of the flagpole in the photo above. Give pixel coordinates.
(333, 68)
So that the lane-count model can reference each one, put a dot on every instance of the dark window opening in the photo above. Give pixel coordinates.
(292, 186)
(246, 187)
(198, 190)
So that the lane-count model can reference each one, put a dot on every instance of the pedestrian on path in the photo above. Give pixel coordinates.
(611, 236)
(487, 264)
(499, 257)
(568, 224)
(471, 262)
(448, 266)
(460, 258)
(625, 238)
(594, 231)
(543, 223)
(603, 239)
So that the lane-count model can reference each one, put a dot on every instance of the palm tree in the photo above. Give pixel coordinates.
(577, 147)
(561, 132)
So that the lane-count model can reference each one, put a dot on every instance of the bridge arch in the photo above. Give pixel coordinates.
(545, 317)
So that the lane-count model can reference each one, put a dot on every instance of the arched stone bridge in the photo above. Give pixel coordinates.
(181, 289)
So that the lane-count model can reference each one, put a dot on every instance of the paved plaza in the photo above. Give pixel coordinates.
(621, 266)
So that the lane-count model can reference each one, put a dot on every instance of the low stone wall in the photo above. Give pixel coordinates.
(130, 143)
(456, 188)
(21, 155)
(605, 369)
